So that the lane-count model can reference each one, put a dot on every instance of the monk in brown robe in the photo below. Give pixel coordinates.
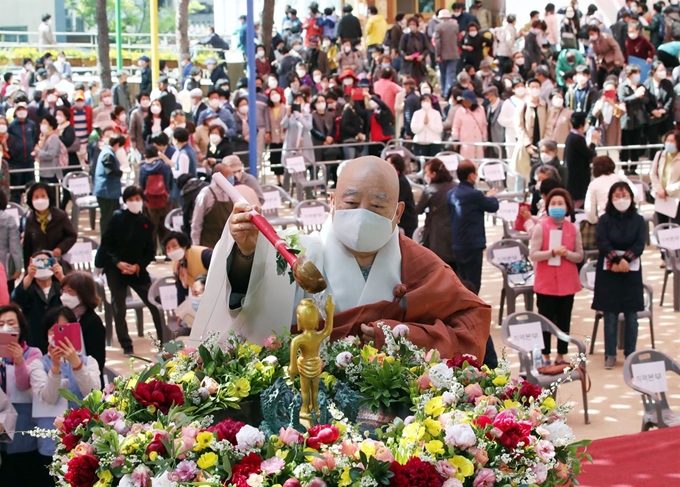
(424, 292)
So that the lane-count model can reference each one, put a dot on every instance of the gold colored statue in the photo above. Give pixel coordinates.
(308, 364)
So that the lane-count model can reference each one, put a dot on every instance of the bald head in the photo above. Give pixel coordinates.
(223, 169)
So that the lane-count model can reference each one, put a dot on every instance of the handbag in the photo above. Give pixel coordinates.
(588, 235)
(559, 369)
(519, 221)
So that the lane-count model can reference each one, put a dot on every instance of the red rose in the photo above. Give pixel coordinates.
(523, 392)
(227, 430)
(82, 471)
(242, 470)
(483, 421)
(158, 394)
(157, 445)
(415, 473)
(322, 434)
(70, 441)
(74, 418)
(513, 431)
(457, 361)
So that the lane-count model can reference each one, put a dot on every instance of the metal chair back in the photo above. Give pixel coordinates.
(311, 206)
(171, 220)
(169, 319)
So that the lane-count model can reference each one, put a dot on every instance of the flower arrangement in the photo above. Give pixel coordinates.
(470, 426)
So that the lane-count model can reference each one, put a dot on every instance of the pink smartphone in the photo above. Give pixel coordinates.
(7, 337)
(70, 331)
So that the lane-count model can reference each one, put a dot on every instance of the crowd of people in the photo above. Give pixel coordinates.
(545, 96)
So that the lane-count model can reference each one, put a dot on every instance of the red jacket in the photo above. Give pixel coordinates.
(377, 134)
(639, 47)
(88, 117)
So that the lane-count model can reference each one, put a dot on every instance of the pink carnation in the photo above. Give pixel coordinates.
(290, 436)
(272, 465)
(445, 469)
(485, 478)
(545, 450)
(452, 483)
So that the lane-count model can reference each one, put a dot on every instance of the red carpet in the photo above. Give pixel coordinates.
(641, 460)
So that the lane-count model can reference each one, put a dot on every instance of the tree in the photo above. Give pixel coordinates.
(103, 59)
(267, 26)
(182, 28)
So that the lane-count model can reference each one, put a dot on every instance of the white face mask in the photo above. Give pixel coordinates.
(297, 48)
(558, 102)
(272, 83)
(276, 98)
(43, 274)
(122, 117)
(301, 73)
(3, 129)
(44, 129)
(135, 206)
(633, 35)
(243, 110)
(260, 54)
(215, 139)
(51, 98)
(176, 255)
(41, 204)
(155, 109)
(622, 204)
(546, 158)
(570, 15)
(60, 119)
(107, 100)
(347, 49)
(425, 90)
(326, 43)
(317, 78)
(214, 103)
(426, 106)
(362, 230)
(520, 62)
(21, 115)
(535, 92)
(321, 105)
(145, 103)
(70, 301)
(473, 33)
(520, 92)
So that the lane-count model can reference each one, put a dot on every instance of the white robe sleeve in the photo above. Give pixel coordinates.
(8, 419)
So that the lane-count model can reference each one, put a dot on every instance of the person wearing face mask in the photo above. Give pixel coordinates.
(578, 156)
(568, 60)
(609, 58)
(156, 179)
(50, 151)
(106, 180)
(125, 251)
(414, 48)
(637, 45)
(621, 240)
(215, 108)
(105, 103)
(121, 91)
(348, 58)
(303, 75)
(569, 29)
(242, 139)
(470, 126)
(506, 118)
(193, 81)
(20, 456)
(548, 156)
(665, 174)
(79, 294)
(37, 293)
(156, 120)
(212, 210)
(556, 274)
(137, 120)
(119, 117)
(274, 133)
(323, 134)
(363, 257)
(81, 120)
(467, 206)
(472, 45)
(604, 177)
(188, 262)
(216, 72)
(636, 97)
(606, 113)
(262, 65)
(316, 58)
(558, 123)
(581, 97)
(219, 146)
(660, 106)
(297, 126)
(530, 125)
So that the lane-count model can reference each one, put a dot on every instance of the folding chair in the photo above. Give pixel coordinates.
(418, 235)
(511, 291)
(82, 198)
(526, 363)
(169, 319)
(410, 159)
(657, 412)
(672, 260)
(308, 215)
(171, 221)
(302, 184)
(270, 209)
(513, 185)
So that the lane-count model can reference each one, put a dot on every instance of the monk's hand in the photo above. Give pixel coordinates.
(367, 333)
(242, 228)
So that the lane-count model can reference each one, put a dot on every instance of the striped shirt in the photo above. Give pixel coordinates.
(80, 125)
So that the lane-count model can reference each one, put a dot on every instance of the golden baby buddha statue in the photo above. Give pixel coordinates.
(308, 365)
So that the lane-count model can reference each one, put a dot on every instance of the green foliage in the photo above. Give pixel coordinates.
(385, 384)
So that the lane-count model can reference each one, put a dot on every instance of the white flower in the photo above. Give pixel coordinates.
(270, 360)
(126, 481)
(162, 481)
(560, 433)
(248, 438)
(401, 330)
(460, 435)
(441, 375)
(344, 359)
(545, 450)
(448, 398)
(542, 432)
(255, 480)
(541, 472)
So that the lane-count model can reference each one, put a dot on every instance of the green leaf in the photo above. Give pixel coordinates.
(70, 397)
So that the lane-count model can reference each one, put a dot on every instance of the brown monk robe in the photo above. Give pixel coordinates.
(440, 312)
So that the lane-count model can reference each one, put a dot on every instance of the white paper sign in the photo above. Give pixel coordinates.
(554, 242)
(494, 172)
(390, 152)
(668, 206)
(507, 255)
(13, 394)
(177, 222)
(296, 164)
(527, 335)
(580, 217)
(168, 297)
(313, 215)
(79, 186)
(651, 376)
(508, 210)
(80, 253)
(634, 265)
(272, 200)
(42, 410)
(590, 279)
(450, 162)
(15, 213)
(669, 238)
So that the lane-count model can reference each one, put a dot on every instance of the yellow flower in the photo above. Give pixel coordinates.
(188, 377)
(432, 426)
(500, 380)
(389, 360)
(464, 467)
(341, 428)
(132, 383)
(203, 440)
(328, 379)
(549, 402)
(435, 406)
(105, 478)
(282, 454)
(414, 432)
(153, 456)
(345, 479)
(240, 388)
(207, 460)
(368, 448)
(368, 351)
(509, 404)
(435, 447)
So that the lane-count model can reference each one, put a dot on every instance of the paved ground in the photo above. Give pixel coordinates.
(614, 408)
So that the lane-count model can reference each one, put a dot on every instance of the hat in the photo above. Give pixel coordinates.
(491, 90)
(20, 105)
(210, 60)
(364, 83)
(444, 14)
(41, 72)
(102, 121)
(10, 90)
(469, 96)
(195, 70)
(348, 73)
(196, 93)
(79, 96)
(145, 59)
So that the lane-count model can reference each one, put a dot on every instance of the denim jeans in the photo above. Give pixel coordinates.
(630, 332)
(447, 74)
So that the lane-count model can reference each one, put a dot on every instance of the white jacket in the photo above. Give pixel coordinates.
(426, 133)
(46, 385)
(506, 118)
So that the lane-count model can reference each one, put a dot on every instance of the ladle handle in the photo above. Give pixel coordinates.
(258, 220)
